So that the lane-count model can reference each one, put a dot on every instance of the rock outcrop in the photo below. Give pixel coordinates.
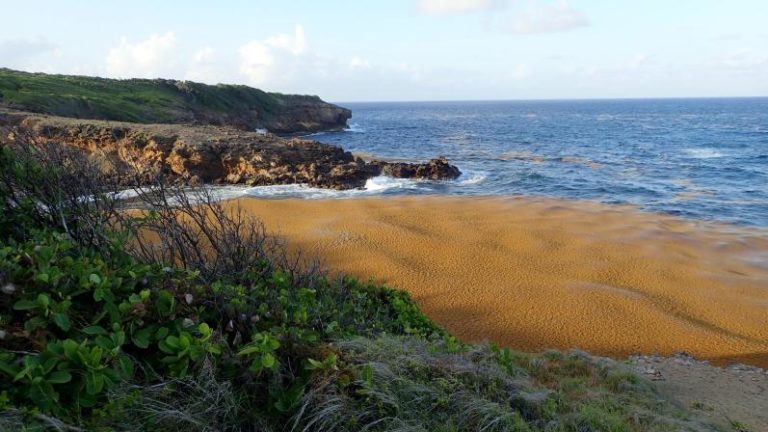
(211, 154)
(435, 169)
(305, 114)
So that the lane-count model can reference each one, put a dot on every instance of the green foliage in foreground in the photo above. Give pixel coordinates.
(138, 100)
(96, 339)
(77, 326)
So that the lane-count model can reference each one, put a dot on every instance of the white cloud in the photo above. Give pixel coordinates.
(288, 63)
(151, 58)
(262, 61)
(204, 56)
(206, 67)
(540, 17)
(295, 44)
(451, 7)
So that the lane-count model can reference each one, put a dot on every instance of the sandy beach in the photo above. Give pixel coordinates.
(534, 273)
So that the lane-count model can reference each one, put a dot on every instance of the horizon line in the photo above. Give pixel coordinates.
(575, 99)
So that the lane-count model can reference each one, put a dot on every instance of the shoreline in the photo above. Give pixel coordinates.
(539, 273)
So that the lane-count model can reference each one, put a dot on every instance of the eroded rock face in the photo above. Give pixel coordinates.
(211, 154)
(305, 114)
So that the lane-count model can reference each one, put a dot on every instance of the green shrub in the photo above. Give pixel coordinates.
(100, 331)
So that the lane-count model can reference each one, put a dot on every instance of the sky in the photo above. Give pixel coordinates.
(403, 50)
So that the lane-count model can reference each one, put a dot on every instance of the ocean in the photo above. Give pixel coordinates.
(703, 159)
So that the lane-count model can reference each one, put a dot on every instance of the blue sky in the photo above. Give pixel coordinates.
(406, 49)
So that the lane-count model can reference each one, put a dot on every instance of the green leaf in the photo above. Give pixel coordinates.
(268, 360)
(94, 279)
(94, 383)
(165, 303)
(162, 332)
(141, 338)
(274, 344)
(42, 277)
(59, 377)
(25, 305)
(62, 320)
(314, 364)
(43, 395)
(173, 342)
(118, 338)
(164, 347)
(125, 366)
(204, 329)
(94, 330)
(70, 348)
(43, 300)
(184, 341)
(248, 350)
(104, 342)
(49, 364)
(96, 356)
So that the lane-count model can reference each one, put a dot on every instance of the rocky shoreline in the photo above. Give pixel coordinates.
(211, 154)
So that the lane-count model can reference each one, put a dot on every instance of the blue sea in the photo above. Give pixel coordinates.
(704, 159)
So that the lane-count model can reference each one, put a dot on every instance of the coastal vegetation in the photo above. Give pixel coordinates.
(170, 311)
(166, 101)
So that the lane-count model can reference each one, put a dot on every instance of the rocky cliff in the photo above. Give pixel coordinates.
(167, 101)
(210, 154)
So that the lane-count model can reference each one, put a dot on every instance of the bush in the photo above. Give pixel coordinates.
(86, 309)
(182, 315)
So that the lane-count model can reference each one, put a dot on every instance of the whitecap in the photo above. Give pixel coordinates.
(292, 191)
(383, 183)
(373, 186)
(355, 128)
(468, 178)
(703, 153)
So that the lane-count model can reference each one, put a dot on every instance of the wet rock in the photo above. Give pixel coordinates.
(434, 169)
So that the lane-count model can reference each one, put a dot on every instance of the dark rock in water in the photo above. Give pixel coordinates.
(435, 169)
(211, 154)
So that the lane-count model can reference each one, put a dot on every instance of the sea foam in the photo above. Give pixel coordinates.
(703, 153)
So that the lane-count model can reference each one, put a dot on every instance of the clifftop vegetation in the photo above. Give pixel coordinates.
(166, 101)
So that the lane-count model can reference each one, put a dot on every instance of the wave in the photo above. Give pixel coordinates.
(373, 186)
(468, 178)
(217, 193)
(703, 153)
(355, 128)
